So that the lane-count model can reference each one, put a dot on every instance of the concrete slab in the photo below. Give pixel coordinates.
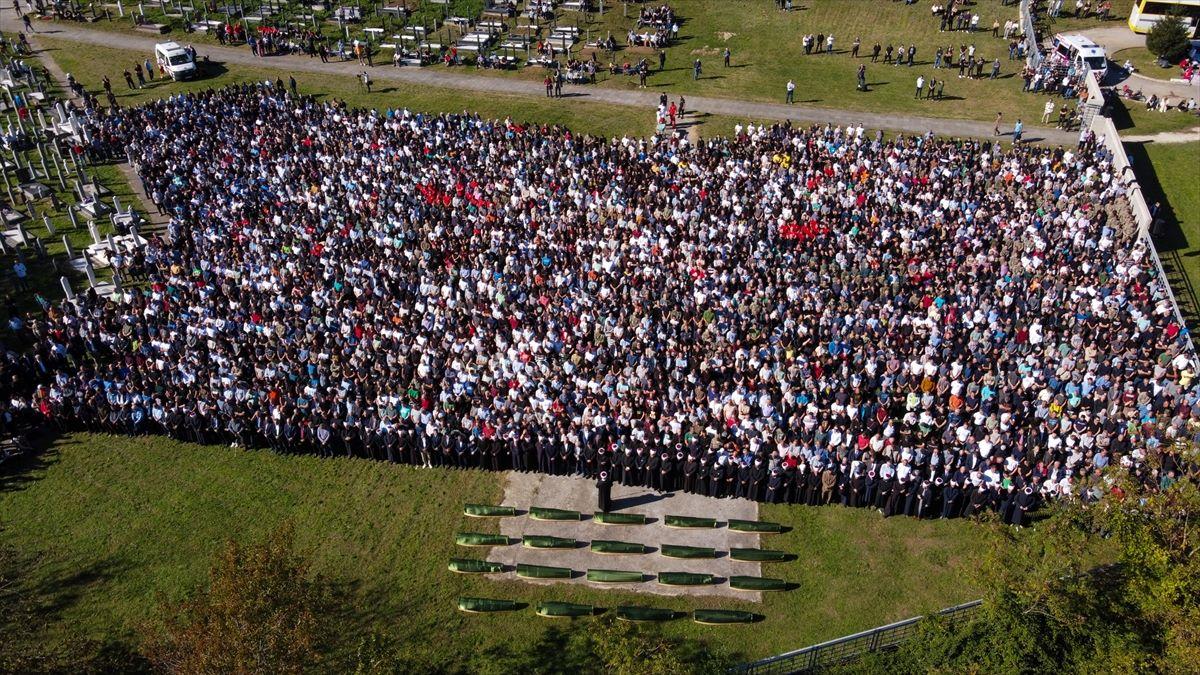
(577, 494)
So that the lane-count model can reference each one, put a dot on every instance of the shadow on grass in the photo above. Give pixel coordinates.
(1119, 114)
(33, 606)
(1168, 235)
(59, 593)
(16, 473)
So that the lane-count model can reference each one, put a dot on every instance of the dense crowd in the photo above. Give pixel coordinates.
(814, 315)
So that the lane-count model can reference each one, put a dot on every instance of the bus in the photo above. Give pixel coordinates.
(1146, 13)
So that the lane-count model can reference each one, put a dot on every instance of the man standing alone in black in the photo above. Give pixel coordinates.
(604, 492)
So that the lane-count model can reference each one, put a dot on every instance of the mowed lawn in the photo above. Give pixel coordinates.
(90, 64)
(119, 521)
(766, 52)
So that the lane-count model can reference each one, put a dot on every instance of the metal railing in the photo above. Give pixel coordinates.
(1092, 107)
(850, 647)
(1033, 49)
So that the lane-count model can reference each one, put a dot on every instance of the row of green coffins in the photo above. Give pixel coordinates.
(525, 571)
(612, 547)
(541, 513)
(625, 613)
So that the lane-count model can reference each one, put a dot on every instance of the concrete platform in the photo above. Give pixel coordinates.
(523, 490)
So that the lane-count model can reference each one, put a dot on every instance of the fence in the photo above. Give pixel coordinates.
(1033, 50)
(1090, 109)
(850, 647)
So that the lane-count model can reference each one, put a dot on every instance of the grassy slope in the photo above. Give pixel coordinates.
(122, 520)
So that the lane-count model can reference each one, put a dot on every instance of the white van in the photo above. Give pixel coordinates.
(174, 60)
(1079, 51)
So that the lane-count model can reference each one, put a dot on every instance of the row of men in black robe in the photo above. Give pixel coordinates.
(923, 494)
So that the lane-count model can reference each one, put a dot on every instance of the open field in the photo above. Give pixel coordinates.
(1135, 120)
(91, 64)
(121, 520)
(767, 51)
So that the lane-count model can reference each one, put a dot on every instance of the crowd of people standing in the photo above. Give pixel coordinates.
(816, 315)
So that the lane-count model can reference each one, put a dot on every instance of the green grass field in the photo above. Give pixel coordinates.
(120, 521)
(1145, 62)
(90, 65)
(1167, 173)
(767, 51)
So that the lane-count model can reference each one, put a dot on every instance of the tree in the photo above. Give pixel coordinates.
(627, 650)
(584, 646)
(1168, 39)
(1109, 587)
(262, 611)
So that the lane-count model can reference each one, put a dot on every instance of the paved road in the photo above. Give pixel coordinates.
(1116, 38)
(442, 77)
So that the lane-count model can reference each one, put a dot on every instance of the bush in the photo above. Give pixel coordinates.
(263, 611)
(1168, 39)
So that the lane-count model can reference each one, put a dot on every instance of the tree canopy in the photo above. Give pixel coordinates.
(1111, 586)
(262, 611)
(1168, 39)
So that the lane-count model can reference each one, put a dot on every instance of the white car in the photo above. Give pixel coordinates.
(174, 60)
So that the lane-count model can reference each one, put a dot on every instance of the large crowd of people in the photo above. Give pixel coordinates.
(927, 326)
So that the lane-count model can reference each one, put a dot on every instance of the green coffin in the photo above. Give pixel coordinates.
(470, 566)
(688, 521)
(721, 616)
(619, 518)
(759, 526)
(564, 609)
(609, 546)
(488, 511)
(542, 541)
(475, 605)
(630, 613)
(757, 584)
(675, 551)
(539, 513)
(614, 576)
(757, 555)
(480, 539)
(543, 572)
(684, 579)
